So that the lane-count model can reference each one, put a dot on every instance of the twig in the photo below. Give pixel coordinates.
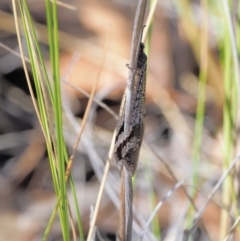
(101, 189)
(93, 221)
(70, 162)
(125, 229)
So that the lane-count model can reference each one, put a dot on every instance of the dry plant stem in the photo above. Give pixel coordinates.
(14, 52)
(164, 162)
(72, 222)
(214, 190)
(65, 5)
(101, 189)
(125, 231)
(232, 229)
(71, 65)
(100, 103)
(122, 214)
(126, 194)
(169, 193)
(69, 166)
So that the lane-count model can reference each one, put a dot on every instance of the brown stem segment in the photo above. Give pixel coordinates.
(126, 199)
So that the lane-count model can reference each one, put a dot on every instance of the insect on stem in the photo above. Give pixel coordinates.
(129, 137)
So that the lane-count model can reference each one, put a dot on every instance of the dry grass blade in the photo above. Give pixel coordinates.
(214, 190)
(4, 46)
(169, 193)
(232, 229)
(72, 222)
(101, 189)
(164, 162)
(65, 5)
(107, 164)
(100, 103)
(69, 166)
(174, 177)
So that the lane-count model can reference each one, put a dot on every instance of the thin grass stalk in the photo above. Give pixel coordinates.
(42, 108)
(42, 113)
(158, 206)
(68, 175)
(236, 115)
(238, 30)
(197, 142)
(63, 214)
(79, 220)
(231, 74)
(152, 198)
(101, 189)
(48, 6)
(151, 194)
(54, 213)
(230, 30)
(37, 64)
(107, 166)
(152, 9)
(63, 211)
(50, 222)
(68, 172)
(74, 233)
(227, 132)
(40, 57)
(50, 92)
(232, 229)
(45, 92)
(215, 189)
(199, 122)
(51, 155)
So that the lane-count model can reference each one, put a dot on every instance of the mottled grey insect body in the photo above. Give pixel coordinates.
(127, 146)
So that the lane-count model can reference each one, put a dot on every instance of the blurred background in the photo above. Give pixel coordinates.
(190, 44)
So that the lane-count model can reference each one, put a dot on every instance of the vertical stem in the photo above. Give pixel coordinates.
(125, 231)
(126, 195)
(201, 95)
(226, 192)
(128, 204)
(121, 231)
(199, 123)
